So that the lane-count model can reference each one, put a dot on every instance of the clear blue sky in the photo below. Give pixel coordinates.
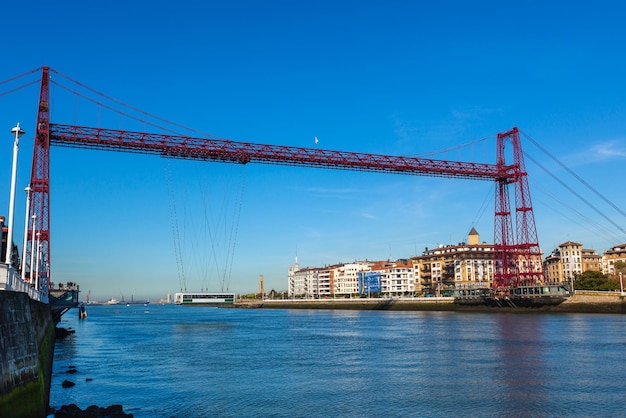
(392, 77)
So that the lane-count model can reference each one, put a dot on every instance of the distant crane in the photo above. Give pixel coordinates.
(517, 257)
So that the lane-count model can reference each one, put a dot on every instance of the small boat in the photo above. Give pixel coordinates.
(82, 313)
(204, 298)
(127, 303)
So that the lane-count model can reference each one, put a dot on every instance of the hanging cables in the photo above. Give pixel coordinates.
(577, 177)
(174, 222)
(13, 90)
(135, 109)
(481, 210)
(575, 193)
(235, 226)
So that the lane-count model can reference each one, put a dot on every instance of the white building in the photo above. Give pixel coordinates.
(345, 277)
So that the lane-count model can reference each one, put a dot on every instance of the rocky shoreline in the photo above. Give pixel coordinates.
(73, 410)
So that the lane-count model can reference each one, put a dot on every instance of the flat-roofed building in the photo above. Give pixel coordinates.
(397, 277)
(346, 277)
(592, 261)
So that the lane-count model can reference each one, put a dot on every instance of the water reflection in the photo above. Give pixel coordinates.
(522, 367)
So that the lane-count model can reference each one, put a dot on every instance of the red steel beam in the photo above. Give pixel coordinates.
(218, 150)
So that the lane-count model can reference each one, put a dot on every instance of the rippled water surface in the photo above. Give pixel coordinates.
(170, 361)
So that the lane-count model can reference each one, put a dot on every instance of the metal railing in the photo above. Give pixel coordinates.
(10, 280)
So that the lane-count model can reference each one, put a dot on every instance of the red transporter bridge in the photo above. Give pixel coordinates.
(517, 257)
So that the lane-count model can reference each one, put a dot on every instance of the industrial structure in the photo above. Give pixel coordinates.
(515, 250)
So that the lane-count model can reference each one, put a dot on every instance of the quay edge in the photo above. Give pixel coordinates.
(581, 302)
(27, 336)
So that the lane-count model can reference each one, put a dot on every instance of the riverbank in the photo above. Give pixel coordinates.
(581, 302)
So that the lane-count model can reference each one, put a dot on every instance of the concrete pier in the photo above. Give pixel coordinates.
(27, 333)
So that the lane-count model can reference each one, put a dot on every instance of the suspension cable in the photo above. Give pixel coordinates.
(597, 193)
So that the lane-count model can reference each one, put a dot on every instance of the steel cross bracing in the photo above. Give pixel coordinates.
(514, 262)
(245, 152)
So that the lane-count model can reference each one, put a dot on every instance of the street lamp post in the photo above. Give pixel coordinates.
(26, 220)
(18, 132)
(32, 249)
(37, 261)
(621, 284)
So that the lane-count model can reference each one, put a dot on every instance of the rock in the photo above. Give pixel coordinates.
(68, 411)
(62, 332)
(93, 411)
(68, 384)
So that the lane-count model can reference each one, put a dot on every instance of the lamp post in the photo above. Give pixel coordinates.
(26, 219)
(32, 249)
(37, 261)
(621, 284)
(18, 132)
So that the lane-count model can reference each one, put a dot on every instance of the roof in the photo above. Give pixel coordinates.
(570, 243)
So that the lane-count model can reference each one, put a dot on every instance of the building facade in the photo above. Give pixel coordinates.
(441, 270)
(617, 253)
(569, 260)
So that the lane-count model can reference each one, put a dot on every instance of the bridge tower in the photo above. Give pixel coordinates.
(38, 241)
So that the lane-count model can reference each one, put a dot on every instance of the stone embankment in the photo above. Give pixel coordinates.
(586, 301)
(581, 302)
(27, 333)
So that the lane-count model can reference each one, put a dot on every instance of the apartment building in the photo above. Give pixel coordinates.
(564, 262)
(592, 261)
(569, 260)
(397, 278)
(345, 277)
(445, 268)
(617, 253)
(315, 282)
(303, 282)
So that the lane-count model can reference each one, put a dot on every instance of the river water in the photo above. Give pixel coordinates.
(171, 361)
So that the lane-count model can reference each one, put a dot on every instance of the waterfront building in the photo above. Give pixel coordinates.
(345, 277)
(324, 281)
(397, 278)
(592, 261)
(303, 282)
(617, 253)
(440, 270)
(570, 260)
(370, 283)
(552, 267)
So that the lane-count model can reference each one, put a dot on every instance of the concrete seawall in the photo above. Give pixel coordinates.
(581, 302)
(27, 333)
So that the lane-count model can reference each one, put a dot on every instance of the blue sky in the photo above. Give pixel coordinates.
(393, 77)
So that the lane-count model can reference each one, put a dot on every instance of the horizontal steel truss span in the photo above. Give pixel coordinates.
(220, 150)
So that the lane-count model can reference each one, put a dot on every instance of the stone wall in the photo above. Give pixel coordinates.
(26, 350)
